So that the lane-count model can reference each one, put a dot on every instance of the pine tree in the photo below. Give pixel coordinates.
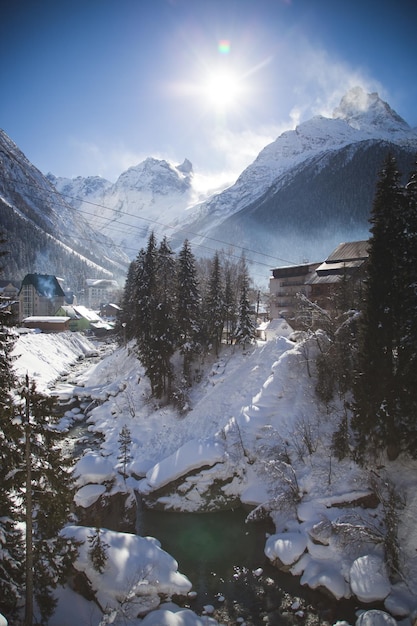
(98, 551)
(229, 305)
(11, 544)
(146, 291)
(125, 324)
(215, 306)
(145, 294)
(376, 387)
(407, 349)
(125, 442)
(245, 330)
(44, 477)
(164, 321)
(188, 309)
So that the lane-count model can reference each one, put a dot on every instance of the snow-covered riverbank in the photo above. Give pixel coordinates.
(255, 432)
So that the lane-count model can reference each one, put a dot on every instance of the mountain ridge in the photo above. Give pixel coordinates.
(304, 193)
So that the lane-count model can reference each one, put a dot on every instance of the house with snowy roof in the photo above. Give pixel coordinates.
(9, 289)
(40, 295)
(9, 297)
(82, 318)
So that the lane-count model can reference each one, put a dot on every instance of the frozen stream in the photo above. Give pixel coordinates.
(221, 555)
(224, 558)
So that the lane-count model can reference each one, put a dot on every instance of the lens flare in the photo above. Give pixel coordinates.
(224, 46)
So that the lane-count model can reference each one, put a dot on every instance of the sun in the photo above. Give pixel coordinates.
(222, 89)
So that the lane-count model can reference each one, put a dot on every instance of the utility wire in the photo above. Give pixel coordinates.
(62, 196)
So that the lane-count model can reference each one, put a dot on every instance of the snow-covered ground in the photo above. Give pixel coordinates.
(255, 428)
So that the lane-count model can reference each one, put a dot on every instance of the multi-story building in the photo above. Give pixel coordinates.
(100, 291)
(285, 284)
(346, 262)
(40, 295)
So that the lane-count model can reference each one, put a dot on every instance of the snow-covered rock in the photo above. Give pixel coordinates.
(375, 618)
(88, 495)
(192, 455)
(369, 579)
(285, 548)
(320, 574)
(93, 468)
(136, 569)
(172, 615)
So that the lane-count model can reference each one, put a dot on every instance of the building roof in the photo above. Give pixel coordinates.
(46, 285)
(290, 271)
(88, 314)
(49, 319)
(69, 311)
(350, 251)
(75, 311)
(347, 258)
(6, 283)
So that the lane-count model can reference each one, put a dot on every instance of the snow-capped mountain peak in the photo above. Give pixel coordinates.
(361, 110)
(158, 176)
(359, 117)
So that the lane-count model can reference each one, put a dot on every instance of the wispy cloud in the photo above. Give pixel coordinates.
(320, 81)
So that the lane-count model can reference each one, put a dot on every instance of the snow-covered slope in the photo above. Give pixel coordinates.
(360, 117)
(319, 177)
(43, 232)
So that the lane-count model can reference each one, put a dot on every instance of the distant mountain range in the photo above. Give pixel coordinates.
(305, 193)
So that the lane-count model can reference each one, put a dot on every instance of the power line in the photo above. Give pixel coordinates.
(148, 220)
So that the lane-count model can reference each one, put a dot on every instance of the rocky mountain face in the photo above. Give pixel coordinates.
(45, 234)
(149, 196)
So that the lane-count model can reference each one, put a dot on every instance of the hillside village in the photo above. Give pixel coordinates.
(40, 302)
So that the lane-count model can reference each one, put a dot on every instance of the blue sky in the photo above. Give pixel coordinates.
(95, 86)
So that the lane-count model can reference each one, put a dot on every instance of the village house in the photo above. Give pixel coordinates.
(110, 311)
(9, 289)
(40, 295)
(81, 319)
(47, 323)
(9, 296)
